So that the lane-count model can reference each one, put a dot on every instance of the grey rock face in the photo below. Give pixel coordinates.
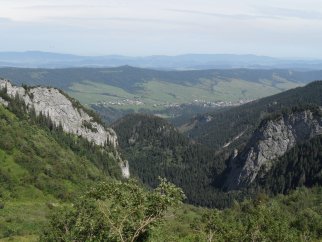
(3, 102)
(51, 102)
(125, 169)
(270, 141)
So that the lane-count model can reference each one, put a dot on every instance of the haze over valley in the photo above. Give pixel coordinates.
(38, 59)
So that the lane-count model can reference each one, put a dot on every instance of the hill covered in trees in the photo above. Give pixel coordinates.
(234, 126)
(301, 166)
(155, 148)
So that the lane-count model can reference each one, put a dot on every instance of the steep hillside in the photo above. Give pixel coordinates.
(43, 157)
(40, 166)
(300, 166)
(273, 139)
(63, 112)
(231, 128)
(155, 148)
(51, 150)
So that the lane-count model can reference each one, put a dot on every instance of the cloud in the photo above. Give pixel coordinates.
(220, 15)
(290, 13)
(259, 13)
(5, 20)
(127, 20)
(139, 27)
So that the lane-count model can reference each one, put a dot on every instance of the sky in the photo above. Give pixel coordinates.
(279, 28)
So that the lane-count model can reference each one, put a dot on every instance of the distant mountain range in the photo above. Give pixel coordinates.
(38, 59)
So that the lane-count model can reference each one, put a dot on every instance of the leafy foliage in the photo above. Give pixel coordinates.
(282, 219)
(114, 211)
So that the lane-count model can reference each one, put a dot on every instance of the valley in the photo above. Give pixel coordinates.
(160, 121)
(129, 89)
(53, 150)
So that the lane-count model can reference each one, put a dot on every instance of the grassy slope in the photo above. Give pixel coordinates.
(35, 170)
(162, 92)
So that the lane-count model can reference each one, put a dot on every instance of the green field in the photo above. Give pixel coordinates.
(155, 89)
(154, 93)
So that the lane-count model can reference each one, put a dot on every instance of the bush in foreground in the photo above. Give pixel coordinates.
(113, 211)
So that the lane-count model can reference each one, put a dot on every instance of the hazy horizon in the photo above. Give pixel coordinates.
(166, 55)
(281, 29)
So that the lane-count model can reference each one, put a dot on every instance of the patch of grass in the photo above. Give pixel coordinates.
(25, 238)
(23, 218)
(8, 164)
(92, 92)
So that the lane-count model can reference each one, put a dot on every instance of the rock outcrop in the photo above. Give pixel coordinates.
(3, 102)
(62, 111)
(125, 168)
(270, 141)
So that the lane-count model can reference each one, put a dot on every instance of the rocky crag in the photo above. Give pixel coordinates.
(271, 140)
(63, 111)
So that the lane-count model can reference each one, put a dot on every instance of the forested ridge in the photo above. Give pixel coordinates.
(128, 77)
(229, 123)
(155, 148)
(301, 166)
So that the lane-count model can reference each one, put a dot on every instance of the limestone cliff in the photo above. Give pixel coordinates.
(270, 141)
(62, 111)
(4, 102)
